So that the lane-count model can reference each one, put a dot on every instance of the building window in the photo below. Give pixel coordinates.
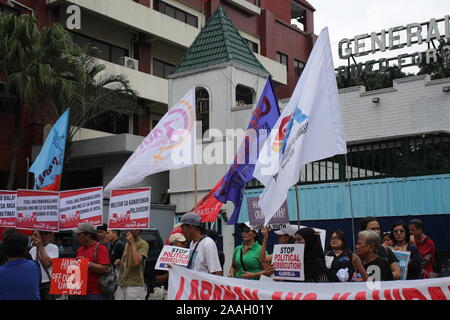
(99, 49)
(298, 67)
(252, 45)
(283, 59)
(110, 122)
(162, 69)
(298, 16)
(176, 13)
(244, 95)
(202, 108)
(83, 178)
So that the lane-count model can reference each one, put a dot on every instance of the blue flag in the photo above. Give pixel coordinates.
(47, 167)
(261, 123)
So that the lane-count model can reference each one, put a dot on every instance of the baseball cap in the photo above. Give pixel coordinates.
(247, 224)
(289, 230)
(85, 227)
(177, 237)
(191, 219)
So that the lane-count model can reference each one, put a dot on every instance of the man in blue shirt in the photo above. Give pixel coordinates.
(19, 278)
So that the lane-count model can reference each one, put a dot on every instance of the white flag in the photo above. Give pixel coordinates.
(170, 145)
(309, 129)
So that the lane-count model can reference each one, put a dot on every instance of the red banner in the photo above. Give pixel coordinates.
(209, 207)
(69, 276)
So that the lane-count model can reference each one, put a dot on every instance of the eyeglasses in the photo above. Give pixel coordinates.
(399, 231)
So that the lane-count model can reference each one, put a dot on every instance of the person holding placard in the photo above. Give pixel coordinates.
(131, 280)
(43, 252)
(98, 257)
(204, 255)
(339, 260)
(245, 263)
(314, 258)
(401, 235)
(285, 236)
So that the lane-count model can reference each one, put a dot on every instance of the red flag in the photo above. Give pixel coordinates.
(209, 207)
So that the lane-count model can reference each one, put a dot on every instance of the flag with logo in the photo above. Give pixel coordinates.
(309, 129)
(261, 123)
(170, 145)
(209, 206)
(47, 167)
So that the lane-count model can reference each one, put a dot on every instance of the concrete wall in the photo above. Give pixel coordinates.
(413, 106)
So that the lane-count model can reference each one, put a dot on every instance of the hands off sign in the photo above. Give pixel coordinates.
(287, 260)
(172, 255)
(256, 218)
(69, 276)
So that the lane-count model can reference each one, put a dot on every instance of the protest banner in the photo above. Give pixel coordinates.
(81, 205)
(279, 221)
(172, 255)
(69, 276)
(129, 209)
(186, 284)
(403, 261)
(287, 261)
(8, 208)
(37, 210)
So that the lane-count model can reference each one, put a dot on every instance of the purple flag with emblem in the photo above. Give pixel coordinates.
(261, 123)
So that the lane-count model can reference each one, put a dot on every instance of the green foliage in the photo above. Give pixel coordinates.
(441, 68)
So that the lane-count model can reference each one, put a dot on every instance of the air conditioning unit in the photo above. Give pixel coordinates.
(130, 63)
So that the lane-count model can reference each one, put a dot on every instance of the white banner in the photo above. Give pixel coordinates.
(170, 145)
(172, 255)
(185, 284)
(37, 210)
(287, 261)
(78, 206)
(129, 209)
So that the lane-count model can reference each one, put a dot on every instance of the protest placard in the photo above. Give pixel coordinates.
(69, 276)
(172, 255)
(37, 210)
(256, 218)
(129, 209)
(287, 261)
(81, 205)
(403, 261)
(7, 208)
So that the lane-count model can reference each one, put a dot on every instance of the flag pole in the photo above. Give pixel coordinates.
(351, 199)
(195, 185)
(298, 206)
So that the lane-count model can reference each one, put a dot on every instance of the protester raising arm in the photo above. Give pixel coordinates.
(263, 257)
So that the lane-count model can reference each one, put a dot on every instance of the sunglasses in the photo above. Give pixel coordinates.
(245, 231)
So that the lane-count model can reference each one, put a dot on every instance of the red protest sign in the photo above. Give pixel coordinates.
(69, 276)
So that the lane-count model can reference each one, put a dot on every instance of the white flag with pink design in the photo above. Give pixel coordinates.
(170, 145)
(129, 209)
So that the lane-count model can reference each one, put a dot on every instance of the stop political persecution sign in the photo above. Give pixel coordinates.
(287, 260)
(69, 276)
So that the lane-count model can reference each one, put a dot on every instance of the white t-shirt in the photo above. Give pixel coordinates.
(206, 257)
(52, 252)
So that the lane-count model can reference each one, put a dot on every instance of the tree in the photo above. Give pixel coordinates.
(38, 67)
(440, 68)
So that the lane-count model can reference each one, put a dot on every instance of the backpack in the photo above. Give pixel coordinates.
(107, 281)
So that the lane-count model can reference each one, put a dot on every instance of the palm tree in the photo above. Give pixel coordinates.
(38, 67)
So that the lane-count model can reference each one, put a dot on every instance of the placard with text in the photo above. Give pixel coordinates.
(8, 208)
(69, 276)
(81, 205)
(129, 209)
(37, 210)
(172, 255)
(287, 261)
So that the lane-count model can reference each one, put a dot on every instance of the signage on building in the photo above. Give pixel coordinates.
(435, 30)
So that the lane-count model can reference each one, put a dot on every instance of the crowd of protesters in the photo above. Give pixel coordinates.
(25, 272)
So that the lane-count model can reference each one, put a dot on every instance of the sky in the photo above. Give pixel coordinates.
(348, 18)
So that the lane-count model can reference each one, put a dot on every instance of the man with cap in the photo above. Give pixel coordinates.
(98, 256)
(203, 256)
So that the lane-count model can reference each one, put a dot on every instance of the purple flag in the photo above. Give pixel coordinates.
(261, 123)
